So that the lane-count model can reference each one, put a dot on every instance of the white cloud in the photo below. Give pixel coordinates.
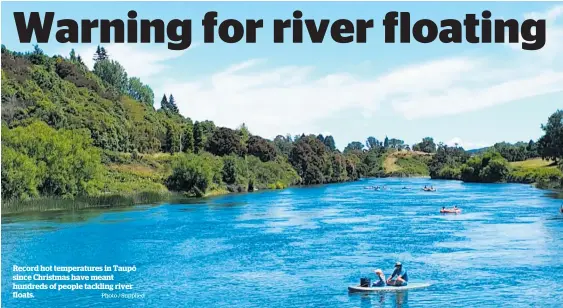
(286, 98)
(458, 98)
(554, 33)
(137, 61)
(292, 98)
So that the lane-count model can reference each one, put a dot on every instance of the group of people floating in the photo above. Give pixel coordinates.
(375, 187)
(454, 210)
(398, 278)
(426, 188)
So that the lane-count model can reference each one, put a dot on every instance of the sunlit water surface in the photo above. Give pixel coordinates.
(302, 247)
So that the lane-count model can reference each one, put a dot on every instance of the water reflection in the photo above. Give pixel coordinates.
(383, 299)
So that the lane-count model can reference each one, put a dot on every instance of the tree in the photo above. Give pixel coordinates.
(191, 173)
(261, 148)
(225, 141)
(188, 138)
(489, 167)
(20, 175)
(51, 162)
(427, 145)
(321, 138)
(100, 54)
(283, 144)
(386, 142)
(173, 139)
(373, 144)
(199, 142)
(172, 104)
(140, 92)
(113, 73)
(37, 57)
(307, 157)
(244, 134)
(447, 162)
(164, 103)
(550, 145)
(354, 146)
(330, 144)
(396, 143)
(72, 55)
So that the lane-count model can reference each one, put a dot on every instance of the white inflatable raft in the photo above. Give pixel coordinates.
(410, 286)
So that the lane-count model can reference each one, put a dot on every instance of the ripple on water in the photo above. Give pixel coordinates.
(302, 247)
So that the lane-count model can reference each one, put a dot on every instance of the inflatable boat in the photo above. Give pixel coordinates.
(450, 211)
(410, 286)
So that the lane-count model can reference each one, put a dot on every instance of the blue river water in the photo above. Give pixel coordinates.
(302, 247)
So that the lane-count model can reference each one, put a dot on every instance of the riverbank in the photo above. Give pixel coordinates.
(46, 204)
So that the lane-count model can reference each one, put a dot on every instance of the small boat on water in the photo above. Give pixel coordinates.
(450, 211)
(409, 286)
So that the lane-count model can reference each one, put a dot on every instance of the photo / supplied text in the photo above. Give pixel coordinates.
(110, 281)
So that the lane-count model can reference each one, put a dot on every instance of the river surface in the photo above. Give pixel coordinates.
(302, 247)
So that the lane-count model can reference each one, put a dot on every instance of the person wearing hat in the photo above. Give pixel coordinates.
(380, 279)
(399, 276)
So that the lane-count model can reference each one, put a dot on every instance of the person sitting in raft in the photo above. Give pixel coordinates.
(399, 276)
(380, 279)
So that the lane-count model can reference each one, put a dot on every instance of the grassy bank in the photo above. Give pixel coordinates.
(406, 164)
(57, 204)
(543, 173)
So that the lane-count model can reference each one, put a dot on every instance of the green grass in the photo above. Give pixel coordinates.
(544, 173)
(406, 164)
(533, 163)
(64, 204)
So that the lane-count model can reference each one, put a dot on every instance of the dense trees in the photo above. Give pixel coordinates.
(140, 92)
(550, 145)
(517, 152)
(225, 141)
(100, 54)
(261, 148)
(195, 174)
(397, 144)
(372, 143)
(316, 164)
(188, 137)
(113, 74)
(307, 157)
(446, 163)
(427, 145)
(329, 143)
(354, 146)
(488, 168)
(283, 144)
(37, 159)
(61, 121)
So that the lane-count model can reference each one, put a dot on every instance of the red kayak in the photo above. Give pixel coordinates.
(450, 211)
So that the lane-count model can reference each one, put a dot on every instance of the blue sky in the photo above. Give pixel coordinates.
(473, 94)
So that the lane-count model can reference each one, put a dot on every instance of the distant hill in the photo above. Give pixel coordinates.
(477, 151)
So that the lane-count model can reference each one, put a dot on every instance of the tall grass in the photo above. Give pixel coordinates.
(105, 201)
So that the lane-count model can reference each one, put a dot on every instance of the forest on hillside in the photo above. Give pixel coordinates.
(70, 131)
